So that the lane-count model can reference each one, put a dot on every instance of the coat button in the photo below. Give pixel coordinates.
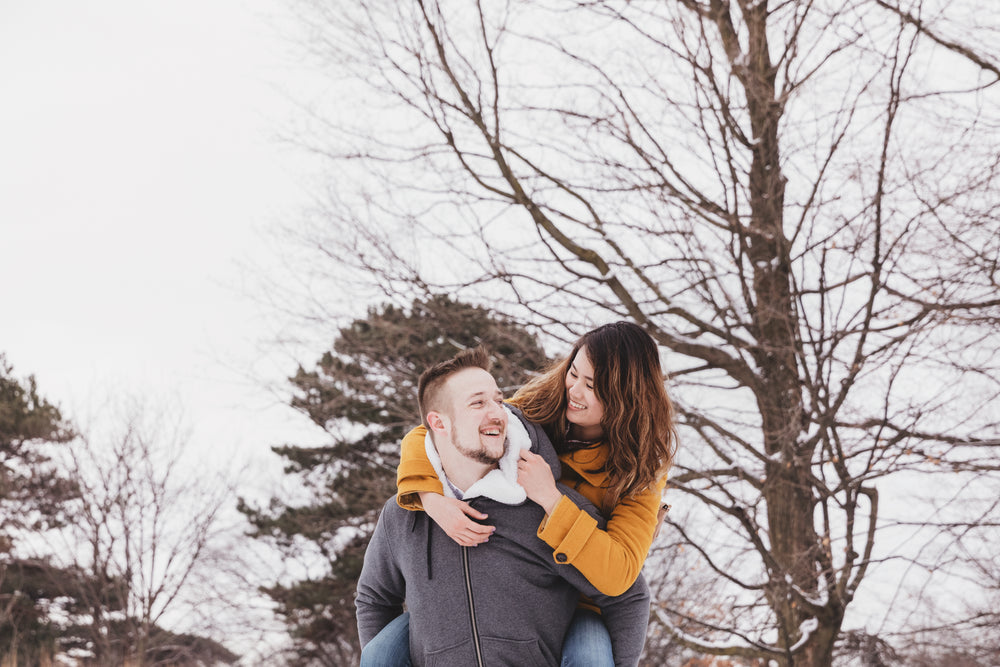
(561, 557)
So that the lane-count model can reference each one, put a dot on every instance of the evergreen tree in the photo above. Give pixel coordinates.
(31, 491)
(47, 612)
(32, 498)
(363, 393)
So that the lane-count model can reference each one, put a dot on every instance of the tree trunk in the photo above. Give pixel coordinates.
(786, 490)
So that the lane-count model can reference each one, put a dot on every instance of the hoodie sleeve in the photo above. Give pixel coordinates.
(381, 586)
(415, 472)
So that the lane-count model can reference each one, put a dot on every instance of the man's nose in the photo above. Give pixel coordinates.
(497, 412)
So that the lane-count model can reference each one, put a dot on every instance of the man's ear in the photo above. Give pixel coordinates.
(436, 421)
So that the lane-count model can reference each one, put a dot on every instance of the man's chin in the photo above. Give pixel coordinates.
(494, 454)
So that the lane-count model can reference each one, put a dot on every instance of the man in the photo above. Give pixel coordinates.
(504, 602)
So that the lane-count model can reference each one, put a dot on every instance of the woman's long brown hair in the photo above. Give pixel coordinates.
(638, 420)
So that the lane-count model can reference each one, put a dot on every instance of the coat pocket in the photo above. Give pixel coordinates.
(497, 652)
(461, 654)
(515, 653)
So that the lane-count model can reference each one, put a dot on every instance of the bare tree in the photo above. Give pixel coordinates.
(148, 536)
(799, 200)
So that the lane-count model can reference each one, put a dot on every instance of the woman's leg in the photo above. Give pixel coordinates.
(391, 646)
(587, 643)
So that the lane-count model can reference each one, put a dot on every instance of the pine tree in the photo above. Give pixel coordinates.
(363, 393)
(33, 498)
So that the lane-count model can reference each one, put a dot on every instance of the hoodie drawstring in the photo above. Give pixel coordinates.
(414, 516)
(430, 532)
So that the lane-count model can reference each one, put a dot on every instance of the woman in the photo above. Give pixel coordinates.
(607, 412)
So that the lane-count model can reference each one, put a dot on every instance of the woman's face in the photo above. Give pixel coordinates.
(584, 410)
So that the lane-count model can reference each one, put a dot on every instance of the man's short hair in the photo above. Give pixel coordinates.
(432, 380)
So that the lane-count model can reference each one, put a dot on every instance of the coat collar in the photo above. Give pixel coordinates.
(589, 463)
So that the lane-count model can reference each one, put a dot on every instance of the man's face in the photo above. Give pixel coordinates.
(477, 418)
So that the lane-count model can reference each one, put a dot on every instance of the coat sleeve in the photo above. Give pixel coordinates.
(626, 616)
(381, 586)
(415, 472)
(610, 559)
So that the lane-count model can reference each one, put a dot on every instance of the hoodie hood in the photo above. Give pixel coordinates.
(499, 484)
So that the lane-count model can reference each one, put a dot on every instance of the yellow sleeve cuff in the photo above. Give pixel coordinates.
(415, 473)
(566, 530)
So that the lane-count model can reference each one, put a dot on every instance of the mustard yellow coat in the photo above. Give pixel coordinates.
(611, 560)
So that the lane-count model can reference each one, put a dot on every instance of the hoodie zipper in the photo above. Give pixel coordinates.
(472, 608)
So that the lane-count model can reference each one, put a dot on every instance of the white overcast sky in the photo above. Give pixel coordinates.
(138, 167)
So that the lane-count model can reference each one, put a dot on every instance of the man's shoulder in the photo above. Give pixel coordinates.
(391, 503)
(393, 515)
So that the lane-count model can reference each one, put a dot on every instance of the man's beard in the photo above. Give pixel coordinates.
(479, 455)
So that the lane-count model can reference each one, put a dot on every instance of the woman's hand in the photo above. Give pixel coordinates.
(535, 475)
(452, 516)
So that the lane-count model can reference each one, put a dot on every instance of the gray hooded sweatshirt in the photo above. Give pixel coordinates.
(505, 602)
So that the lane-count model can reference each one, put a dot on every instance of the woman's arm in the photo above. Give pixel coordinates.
(610, 559)
(418, 488)
(415, 472)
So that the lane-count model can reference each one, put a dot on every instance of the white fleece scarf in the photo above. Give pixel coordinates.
(499, 484)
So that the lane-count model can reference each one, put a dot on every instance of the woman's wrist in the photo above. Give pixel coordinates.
(426, 496)
(550, 501)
